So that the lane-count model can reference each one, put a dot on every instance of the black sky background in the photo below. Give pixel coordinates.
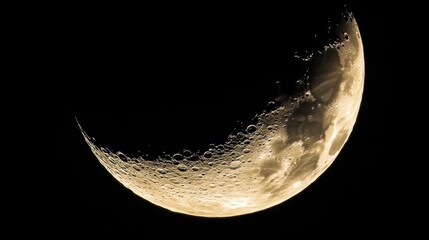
(157, 90)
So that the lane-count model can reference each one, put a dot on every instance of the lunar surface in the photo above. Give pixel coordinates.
(286, 149)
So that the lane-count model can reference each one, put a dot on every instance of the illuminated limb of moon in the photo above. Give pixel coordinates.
(284, 152)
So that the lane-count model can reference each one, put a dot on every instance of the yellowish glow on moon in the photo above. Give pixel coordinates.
(284, 152)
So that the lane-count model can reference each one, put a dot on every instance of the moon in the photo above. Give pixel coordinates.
(286, 149)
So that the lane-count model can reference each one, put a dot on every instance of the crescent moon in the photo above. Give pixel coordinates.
(286, 150)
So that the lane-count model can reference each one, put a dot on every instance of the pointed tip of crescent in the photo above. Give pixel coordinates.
(84, 134)
(78, 124)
